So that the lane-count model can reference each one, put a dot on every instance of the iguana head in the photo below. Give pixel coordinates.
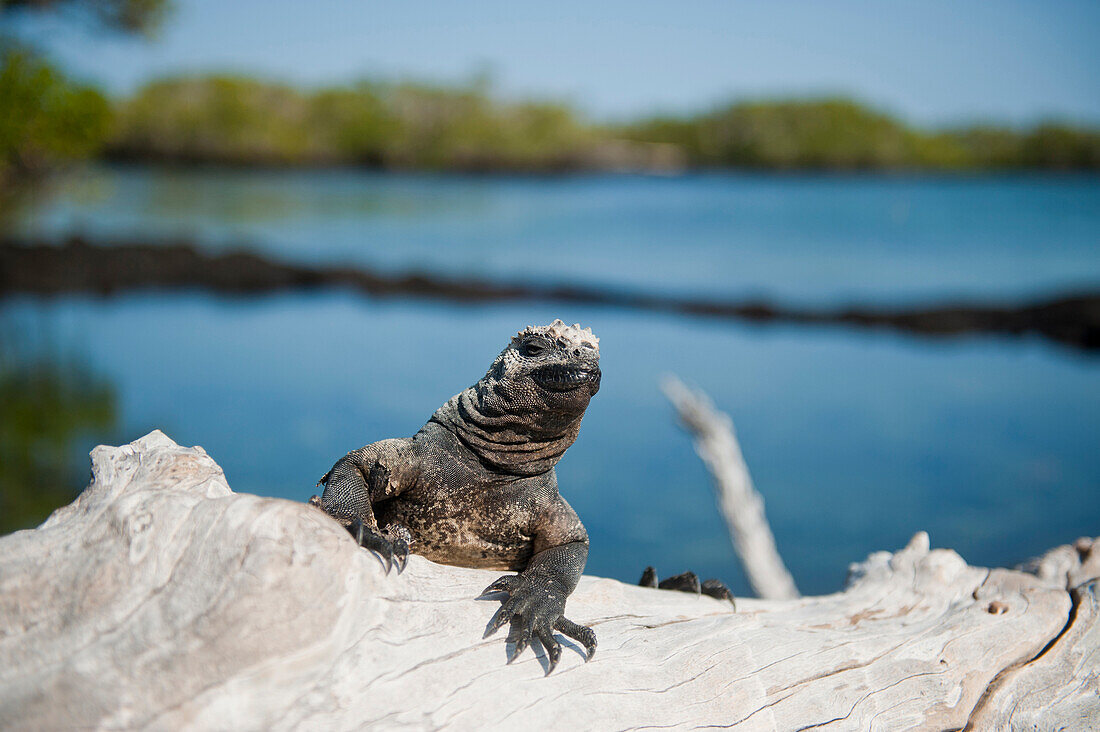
(526, 411)
(548, 370)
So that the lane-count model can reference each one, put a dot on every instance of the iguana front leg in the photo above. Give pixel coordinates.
(537, 595)
(362, 478)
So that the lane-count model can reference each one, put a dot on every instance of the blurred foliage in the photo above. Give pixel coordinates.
(790, 134)
(131, 16)
(1061, 147)
(838, 134)
(243, 121)
(45, 119)
(236, 120)
(45, 406)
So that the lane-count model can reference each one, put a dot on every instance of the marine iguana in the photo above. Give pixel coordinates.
(476, 486)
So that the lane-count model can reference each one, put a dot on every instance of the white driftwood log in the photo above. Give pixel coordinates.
(161, 599)
(738, 501)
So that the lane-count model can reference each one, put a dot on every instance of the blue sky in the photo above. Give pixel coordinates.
(932, 61)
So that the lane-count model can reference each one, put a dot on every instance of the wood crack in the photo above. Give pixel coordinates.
(1001, 678)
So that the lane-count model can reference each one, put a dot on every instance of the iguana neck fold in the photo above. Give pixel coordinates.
(510, 443)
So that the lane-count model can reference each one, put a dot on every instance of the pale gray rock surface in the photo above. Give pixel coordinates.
(161, 599)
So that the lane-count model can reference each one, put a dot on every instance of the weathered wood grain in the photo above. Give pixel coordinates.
(161, 599)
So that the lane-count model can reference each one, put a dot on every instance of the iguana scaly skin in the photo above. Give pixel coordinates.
(476, 486)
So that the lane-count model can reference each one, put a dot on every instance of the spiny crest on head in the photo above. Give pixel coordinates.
(572, 335)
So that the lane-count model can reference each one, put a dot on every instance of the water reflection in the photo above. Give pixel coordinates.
(180, 196)
(48, 405)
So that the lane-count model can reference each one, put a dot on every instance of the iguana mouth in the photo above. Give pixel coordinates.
(557, 377)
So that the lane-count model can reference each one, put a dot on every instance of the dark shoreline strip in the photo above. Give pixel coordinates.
(75, 266)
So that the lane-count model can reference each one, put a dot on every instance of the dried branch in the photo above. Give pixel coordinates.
(741, 506)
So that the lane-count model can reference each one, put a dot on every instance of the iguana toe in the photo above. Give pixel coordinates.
(378, 545)
(717, 589)
(550, 645)
(581, 633)
(686, 582)
(501, 616)
(400, 540)
(504, 584)
(523, 639)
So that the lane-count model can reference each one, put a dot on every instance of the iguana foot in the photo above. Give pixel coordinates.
(391, 546)
(536, 608)
(688, 582)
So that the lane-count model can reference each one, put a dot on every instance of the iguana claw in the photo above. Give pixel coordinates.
(391, 549)
(718, 590)
(400, 539)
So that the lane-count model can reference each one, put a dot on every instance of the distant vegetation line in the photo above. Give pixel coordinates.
(411, 126)
(47, 119)
(76, 266)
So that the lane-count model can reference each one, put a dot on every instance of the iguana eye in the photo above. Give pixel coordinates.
(535, 347)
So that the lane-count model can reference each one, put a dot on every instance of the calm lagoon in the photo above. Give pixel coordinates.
(857, 439)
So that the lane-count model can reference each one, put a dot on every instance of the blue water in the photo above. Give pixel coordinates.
(812, 239)
(857, 439)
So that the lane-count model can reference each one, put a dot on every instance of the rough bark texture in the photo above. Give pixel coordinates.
(160, 598)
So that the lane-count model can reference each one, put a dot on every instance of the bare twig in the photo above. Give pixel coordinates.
(741, 506)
